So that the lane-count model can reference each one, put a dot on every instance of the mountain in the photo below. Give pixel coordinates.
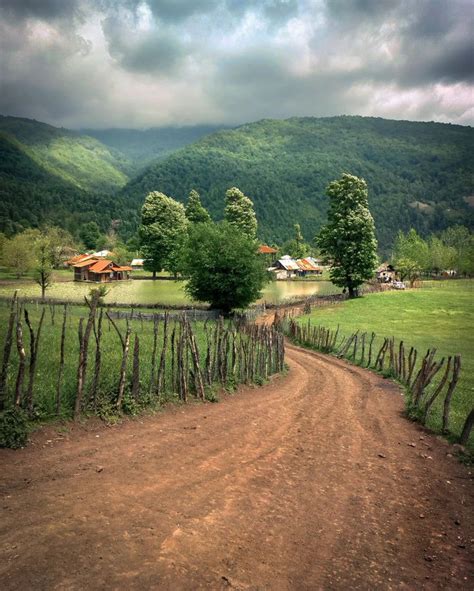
(419, 174)
(55, 176)
(143, 146)
(79, 160)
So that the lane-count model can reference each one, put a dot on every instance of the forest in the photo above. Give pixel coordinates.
(418, 174)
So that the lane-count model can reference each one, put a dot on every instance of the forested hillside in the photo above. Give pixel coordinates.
(141, 146)
(419, 174)
(54, 176)
(80, 160)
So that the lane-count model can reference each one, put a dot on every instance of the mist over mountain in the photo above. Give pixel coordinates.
(143, 146)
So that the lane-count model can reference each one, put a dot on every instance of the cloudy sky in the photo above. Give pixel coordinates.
(141, 63)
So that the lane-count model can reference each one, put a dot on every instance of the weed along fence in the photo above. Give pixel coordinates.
(427, 379)
(75, 361)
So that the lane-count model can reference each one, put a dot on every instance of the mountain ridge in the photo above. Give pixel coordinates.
(285, 166)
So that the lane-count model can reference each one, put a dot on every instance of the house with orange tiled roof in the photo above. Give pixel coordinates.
(93, 268)
(265, 249)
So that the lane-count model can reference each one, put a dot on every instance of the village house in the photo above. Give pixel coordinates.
(285, 268)
(308, 266)
(137, 264)
(386, 273)
(264, 249)
(92, 268)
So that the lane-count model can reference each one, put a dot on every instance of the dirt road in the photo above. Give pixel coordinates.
(314, 481)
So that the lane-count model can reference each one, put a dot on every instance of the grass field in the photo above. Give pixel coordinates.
(147, 292)
(440, 314)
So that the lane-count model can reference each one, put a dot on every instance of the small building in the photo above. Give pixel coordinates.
(386, 273)
(92, 268)
(264, 249)
(285, 268)
(308, 266)
(137, 264)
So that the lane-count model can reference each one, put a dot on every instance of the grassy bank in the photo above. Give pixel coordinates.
(167, 360)
(441, 315)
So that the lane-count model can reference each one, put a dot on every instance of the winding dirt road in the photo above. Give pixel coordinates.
(314, 481)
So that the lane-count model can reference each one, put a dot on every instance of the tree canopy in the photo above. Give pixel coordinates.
(348, 239)
(239, 212)
(162, 232)
(223, 266)
(195, 212)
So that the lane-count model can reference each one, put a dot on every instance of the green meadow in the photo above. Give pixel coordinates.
(148, 292)
(440, 314)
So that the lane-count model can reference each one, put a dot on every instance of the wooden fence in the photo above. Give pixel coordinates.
(183, 358)
(426, 378)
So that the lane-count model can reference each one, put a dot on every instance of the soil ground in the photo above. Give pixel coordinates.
(314, 481)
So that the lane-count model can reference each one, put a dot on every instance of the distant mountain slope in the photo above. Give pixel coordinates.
(143, 146)
(31, 195)
(81, 161)
(284, 166)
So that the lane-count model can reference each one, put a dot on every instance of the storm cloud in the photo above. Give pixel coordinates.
(103, 63)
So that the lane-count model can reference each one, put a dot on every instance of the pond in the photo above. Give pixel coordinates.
(144, 291)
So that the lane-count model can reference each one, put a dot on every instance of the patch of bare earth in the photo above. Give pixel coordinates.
(314, 481)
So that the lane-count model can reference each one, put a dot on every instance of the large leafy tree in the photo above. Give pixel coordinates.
(18, 254)
(195, 212)
(223, 266)
(239, 212)
(162, 233)
(297, 247)
(45, 248)
(462, 240)
(411, 255)
(348, 240)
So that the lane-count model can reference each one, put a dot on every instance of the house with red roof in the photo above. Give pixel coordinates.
(97, 269)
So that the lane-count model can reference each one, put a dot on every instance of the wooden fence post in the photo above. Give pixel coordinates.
(22, 358)
(6, 351)
(136, 369)
(449, 394)
(466, 431)
(34, 341)
(61, 362)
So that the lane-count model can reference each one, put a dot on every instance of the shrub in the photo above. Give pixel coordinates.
(13, 428)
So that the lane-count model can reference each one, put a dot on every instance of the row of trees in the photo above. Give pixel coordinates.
(452, 250)
(220, 260)
(37, 252)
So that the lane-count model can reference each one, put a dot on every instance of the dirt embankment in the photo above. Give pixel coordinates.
(314, 481)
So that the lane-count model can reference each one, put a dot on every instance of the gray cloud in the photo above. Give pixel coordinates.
(178, 10)
(151, 51)
(43, 9)
(150, 62)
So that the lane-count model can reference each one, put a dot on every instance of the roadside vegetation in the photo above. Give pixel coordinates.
(438, 315)
(64, 362)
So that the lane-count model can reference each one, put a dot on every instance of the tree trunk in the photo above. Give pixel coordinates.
(352, 292)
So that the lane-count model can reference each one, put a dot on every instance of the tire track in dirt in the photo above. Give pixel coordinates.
(279, 487)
